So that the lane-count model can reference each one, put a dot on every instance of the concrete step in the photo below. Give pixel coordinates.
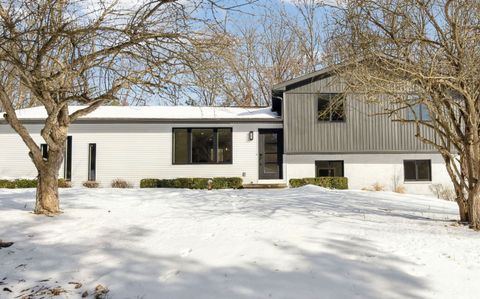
(265, 186)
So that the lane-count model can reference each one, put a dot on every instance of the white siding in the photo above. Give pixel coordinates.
(363, 170)
(133, 151)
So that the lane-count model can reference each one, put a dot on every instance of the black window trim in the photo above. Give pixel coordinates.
(330, 96)
(416, 171)
(189, 144)
(342, 161)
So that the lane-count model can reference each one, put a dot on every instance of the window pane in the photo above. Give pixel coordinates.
(409, 170)
(44, 148)
(424, 114)
(224, 154)
(270, 138)
(271, 168)
(203, 149)
(329, 168)
(423, 168)
(271, 148)
(180, 150)
(271, 158)
(338, 113)
(323, 113)
(337, 167)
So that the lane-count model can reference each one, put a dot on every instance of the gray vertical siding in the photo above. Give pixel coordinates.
(363, 131)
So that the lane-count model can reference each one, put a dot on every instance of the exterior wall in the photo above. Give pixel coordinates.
(133, 151)
(363, 170)
(363, 131)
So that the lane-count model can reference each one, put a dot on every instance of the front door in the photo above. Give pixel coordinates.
(270, 153)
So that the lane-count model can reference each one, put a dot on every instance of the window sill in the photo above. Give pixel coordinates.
(417, 182)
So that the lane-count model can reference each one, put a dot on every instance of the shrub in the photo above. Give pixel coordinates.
(326, 182)
(91, 184)
(7, 184)
(27, 183)
(400, 189)
(443, 192)
(119, 183)
(149, 183)
(227, 183)
(192, 183)
(22, 183)
(376, 187)
(199, 183)
(62, 183)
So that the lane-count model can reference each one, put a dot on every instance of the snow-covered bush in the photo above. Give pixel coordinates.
(326, 182)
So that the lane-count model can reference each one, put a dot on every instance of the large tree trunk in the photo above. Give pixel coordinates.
(47, 193)
(47, 188)
(462, 204)
(463, 210)
(474, 207)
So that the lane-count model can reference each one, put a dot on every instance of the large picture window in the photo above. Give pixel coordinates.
(417, 170)
(202, 145)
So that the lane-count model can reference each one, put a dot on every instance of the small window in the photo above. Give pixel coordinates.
(92, 162)
(418, 112)
(417, 170)
(331, 107)
(329, 168)
(68, 159)
(44, 149)
(202, 145)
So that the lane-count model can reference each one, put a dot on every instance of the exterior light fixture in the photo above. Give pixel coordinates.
(250, 135)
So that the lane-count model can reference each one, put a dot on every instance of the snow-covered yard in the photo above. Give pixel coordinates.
(293, 243)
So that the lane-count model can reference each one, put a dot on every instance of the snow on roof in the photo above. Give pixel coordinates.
(160, 113)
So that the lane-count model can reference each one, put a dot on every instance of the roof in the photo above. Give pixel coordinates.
(305, 79)
(161, 113)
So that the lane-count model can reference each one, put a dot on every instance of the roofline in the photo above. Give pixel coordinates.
(155, 120)
(310, 77)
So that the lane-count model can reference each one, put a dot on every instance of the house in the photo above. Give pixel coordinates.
(291, 139)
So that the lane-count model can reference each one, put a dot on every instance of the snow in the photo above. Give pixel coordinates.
(307, 242)
(160, 112)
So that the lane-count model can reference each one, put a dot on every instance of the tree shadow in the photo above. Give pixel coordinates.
(339, 268)
(129, 256)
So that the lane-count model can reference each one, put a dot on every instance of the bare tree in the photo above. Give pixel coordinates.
(275, 45)
(58, 52)
(421, 53)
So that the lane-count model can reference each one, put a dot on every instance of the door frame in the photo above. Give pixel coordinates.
(261, 145)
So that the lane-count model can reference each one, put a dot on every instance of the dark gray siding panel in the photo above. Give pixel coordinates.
(363, 131)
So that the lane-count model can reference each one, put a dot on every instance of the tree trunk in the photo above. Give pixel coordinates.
(462, 204)
(47, 188)
(463, 210)
(47, 193)
(474, 207)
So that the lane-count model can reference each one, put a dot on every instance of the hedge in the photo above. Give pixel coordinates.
(227, 183)
(193, 183)
(326, 182)
(24, 183)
